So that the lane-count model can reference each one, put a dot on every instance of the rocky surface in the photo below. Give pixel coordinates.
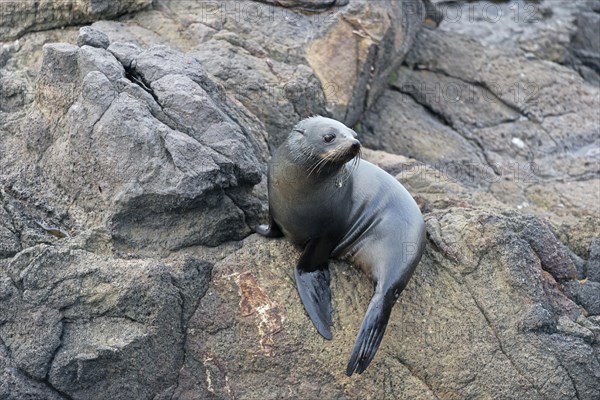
(20, 17)
(286, 63)
(508, 122)
(132, 159)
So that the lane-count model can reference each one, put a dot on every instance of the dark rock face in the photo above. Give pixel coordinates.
(287, 60)
(89, 36)
(497, 322)
(90, 329)
(20, 17)
(516, 126)
(138, 147)
(586, 45)
(132, 159)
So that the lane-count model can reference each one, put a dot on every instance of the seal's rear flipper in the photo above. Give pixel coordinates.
(316, 297)
(370, 335)
(270, 231)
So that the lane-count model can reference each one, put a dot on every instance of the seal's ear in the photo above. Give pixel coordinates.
(300, 131)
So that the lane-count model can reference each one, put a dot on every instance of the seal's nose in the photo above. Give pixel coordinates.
(355, 145)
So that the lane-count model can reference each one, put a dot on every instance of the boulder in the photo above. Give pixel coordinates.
(492, 324)
(287, 60)
(20, 17)
(523, 129)
(90, 325)
(138, 146)
(132, 161)
(92, 37)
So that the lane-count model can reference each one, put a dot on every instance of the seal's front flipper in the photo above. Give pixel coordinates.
(312, 280)
(270, 231)
(370, 334)
(316, 297)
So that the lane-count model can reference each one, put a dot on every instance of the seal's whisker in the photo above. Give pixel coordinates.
(315, 166)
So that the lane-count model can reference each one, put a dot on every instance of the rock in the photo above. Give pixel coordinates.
(89, 322)
(472, 316)
(592, 324)
(163, 121)
(125, 53)
(593, 263)
(89, 36)
(9, 241)
(551, 252)
(398, 124)
(131, 175)
(509, 132)
(285, 64)
(278, 93)
(585, 45)
(6, 50)
(25, 16)
(15, 385)
(542, 29)
(568, 327)
(586, 294)
(307, 4)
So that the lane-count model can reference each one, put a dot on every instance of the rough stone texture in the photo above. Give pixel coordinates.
(20, 17)
(132, 172)
(286, 63)
(15, 385)
(92, 326)
(491, 326)
(136, 148)
(585, 293)
(307, 4)
(593, 263)
(92, 37)
(9, 239)
(563, 32)
(522, 128)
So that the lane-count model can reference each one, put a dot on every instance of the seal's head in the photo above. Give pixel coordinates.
(324, 141)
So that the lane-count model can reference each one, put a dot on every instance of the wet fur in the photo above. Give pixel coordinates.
(328, 201)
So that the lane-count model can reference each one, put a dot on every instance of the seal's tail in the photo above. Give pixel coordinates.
(370, 335)
(314, 291)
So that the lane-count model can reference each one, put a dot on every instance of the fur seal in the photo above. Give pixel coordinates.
(325, 199)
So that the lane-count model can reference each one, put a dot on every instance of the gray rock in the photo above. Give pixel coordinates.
(127, 172)
(21, 17)
(474, 322)
(550, 251)
(307, 4)
(591, 323)
(593, 263)
(278, 93)
(9, 240)
(287, 63)
(31, 334)
(585, 45)
(95, 325)
(125, 53)
(89, 36)
(586, 294)
(399, 125)
(178, 144)
(521, 125)
(15, 385)
(568, 327)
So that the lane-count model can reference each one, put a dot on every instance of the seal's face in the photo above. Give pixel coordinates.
(324, 140)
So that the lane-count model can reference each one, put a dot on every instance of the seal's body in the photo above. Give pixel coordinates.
(322, 198)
